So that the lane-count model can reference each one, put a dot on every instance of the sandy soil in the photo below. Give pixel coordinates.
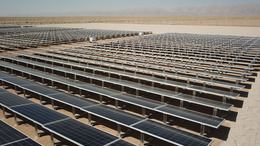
(219, 30)
(246, 129)
(162, 20)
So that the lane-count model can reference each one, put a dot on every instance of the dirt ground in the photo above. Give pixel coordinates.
(162, 20)
(216, 30)
(246, 129)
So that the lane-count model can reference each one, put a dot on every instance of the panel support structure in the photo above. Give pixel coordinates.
(202, 129)
(215, 111)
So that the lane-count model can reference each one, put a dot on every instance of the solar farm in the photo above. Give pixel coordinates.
(76, 86)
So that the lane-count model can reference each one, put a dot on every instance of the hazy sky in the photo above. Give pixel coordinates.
(59, 7)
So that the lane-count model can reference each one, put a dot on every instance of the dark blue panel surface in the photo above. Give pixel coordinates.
(145, 102)
(39, 113)
(81, 133)
(12, 137)
(17, 81)
(9, 99)
(114, 114)
(171, 134)
(189, 114)
(2, 90)
(26, 142)
(4, 75)
(40, 89)
(9, 134)
(71, 99)
(121, 143)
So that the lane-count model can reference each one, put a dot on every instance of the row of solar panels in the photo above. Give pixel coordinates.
(13, 26)
(194, 40)
(233, 49)
(160, 55)
(174, 66)
(166, 93)
(56, 123)
(80, 64)
(59, 124)
(126, 74)
(12, 137)
(161, 108)
(113, 62)
(21, 30)
(189, 55)
(12, 39)
(6, 65)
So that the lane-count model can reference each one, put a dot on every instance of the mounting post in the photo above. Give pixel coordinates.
(116, 103)
(89, 118)
(202, 129)
(162, 98)
(143, 111)
(181, 103)
(176, 89)
(118, 130)
(141, 139)
(164, 118)
(215, 111)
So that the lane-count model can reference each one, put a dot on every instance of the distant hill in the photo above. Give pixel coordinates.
(215, 10)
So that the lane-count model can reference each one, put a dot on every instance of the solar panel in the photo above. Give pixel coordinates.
(9, 99)
(72, 100)
(122, 72)
(137, 100)
(158, 136)
(39, 113)
(217, 92)
(195, 116)
(40, 89)
(142, 87)
(27, 37)
(204, 101)
(63, 125)
(136, 85)
(121, 143)
(26, 142)
(10, 136)
(3, 75)
(99, 90)
(177, 112)
(2, 90)
(144, 64)
(114, 114)
(17, 81)
(171, 134)
(185, 97)
(81, 133)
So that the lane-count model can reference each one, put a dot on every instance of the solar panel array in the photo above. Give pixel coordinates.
(10, 136)
(55, 122)
(13, 26)
(13, 38)
(169, 77)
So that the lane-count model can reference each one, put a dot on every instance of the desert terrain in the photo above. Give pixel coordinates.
(244, 130)
(161, 20)
(157, 29)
